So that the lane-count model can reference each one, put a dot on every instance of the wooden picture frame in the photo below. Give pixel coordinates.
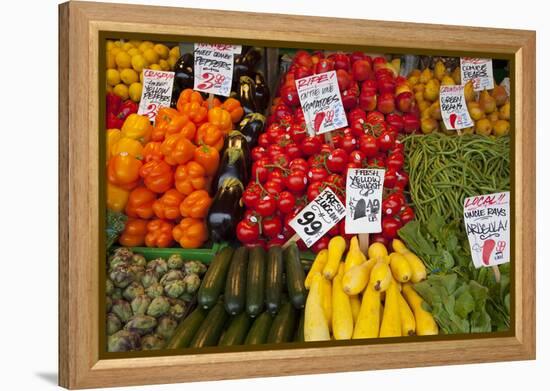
(80, 25)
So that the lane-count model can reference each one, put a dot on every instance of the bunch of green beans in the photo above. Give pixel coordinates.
(444, 170)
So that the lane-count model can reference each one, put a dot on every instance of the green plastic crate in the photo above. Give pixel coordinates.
(204, 255)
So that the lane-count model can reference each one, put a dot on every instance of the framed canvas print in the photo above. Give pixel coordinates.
(247, 195)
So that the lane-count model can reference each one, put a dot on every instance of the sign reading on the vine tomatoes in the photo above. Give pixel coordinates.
(479, 71)
(156, 92)
(213, 68)
(318, 217)
(363, 200)
(487, 222)
(453, 107)
(321, 102)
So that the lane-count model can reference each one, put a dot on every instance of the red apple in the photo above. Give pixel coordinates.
(386, 103)
(404, 101)
(411, 123)
(356, 56)
(341, 61)
(360, 70)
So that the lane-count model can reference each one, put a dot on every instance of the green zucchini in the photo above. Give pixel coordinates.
(235, 283)
(237, 330)
(255, 281)
(274, 279)
(282, 329)
(299, 336)
(187, 329)
(259, 330)
(295, 276)
(211, 328)
(214, 279)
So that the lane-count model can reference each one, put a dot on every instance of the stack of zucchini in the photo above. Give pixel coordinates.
(247, 297)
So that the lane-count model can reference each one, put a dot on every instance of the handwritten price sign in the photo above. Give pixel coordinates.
(453, 107)
(321, 102)
(363, 200)
(487, 222)
(156, 92)
(318, 217)
(479, 71)
(214, 67)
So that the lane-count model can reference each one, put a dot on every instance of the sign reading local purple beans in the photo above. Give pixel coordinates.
(479, 71)
(318, 217)
(454, 110)
(156, 92)
(487, 223)
(321, 102)
(213, 67)
(364, 199)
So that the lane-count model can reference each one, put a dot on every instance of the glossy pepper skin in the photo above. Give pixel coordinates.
(152, 151)
(221, 118)
(190, 177)
(170, 121)
(177, 149)
(211, 135)
(123, 171)
(233, 107)
(128, 145)
(190, 232)
(193, 105)
(208, 157)
(196, 204)
(157, 176)
(159, 233)
(140, 203)
(134, 233)
(113, 135)
(117, 198)
(137, 127)
(168, 206)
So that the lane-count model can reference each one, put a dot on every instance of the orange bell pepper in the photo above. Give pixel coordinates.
(152, 151)
(134, 233)
(159, 233)
(123, 171)
(190, 232)
(190, 177)
(137, 127)
(116, 198)
(125, 144)
(157, 176)
(211, 135)
(221, 118)
(192, 104)
(140, 203)
(168, 206)
(170, 121)
(233, 106)
(113, 135)
(208, 157)
(196, 204)
(177, 149)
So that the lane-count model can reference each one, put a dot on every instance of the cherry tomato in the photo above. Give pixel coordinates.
(395, 161)
(279, 240)
(286, 202)
(390, 178)
(402, 180)
(406, 215)
(274, 150)
(297, 133)
(259, 171)
(316, 174)
(390, 225)
(314, 189)
(257, 153)
(298, 164)
(390, 207)
(399, 197)
(263, 140)
(356, 157)
(251, 195)
(354, 165)
(337, 160)
(321, 244)
(277, 176)
(348, 143)
(247, 232)
(293, 151)
(273, 188)
(266, 205)
(386, 141)
(274, 132)
(296, 181)
(311, 145)
(271, 226)
(368, 145)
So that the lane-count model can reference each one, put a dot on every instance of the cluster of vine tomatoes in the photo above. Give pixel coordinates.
(291, 167)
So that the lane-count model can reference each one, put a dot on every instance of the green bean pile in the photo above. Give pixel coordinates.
(444, 170)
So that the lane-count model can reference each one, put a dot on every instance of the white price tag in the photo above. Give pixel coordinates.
(453, 107)
(364, 200)
(318, 217)
(213, 67)
(321, 102)
(487, 222)
(156, 92)
(479, 71)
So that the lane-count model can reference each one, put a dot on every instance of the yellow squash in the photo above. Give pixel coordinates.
(355, 302)
(380, 276)
(377, 250)
(354, 256)
(326, 294)
(315, 323)
(336, 248)
(418, 270)
(355, 279)
(408, 324)
(425, 323)
(391, 321)
(368, 320)
(317, 266)
(342, 315)
(400, 267)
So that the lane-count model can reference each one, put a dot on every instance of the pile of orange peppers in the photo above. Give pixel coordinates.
(159, 175)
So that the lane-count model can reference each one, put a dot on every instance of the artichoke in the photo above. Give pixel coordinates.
(117, 294)
(172, 275)
(174, 289)
(149, 278)
(159, 306)
(178, 309)
(139, 260)
(109, 287)
(121, 276)
(166, 327)
(123, 252)
(115, 261)
(113, 323)
(108, 303)
(175, 261)
(194, 267)
(152, 342)
(155, 290)
(192, 282)
(122, 309)
(158, 265)
(123, 341)
(137, 271)
(140, 304)
(132, 291)
(141, 324)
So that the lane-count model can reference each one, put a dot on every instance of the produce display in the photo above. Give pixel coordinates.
(224, 179)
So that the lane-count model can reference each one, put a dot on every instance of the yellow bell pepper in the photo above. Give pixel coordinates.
(129, 145)
(116, 198)
(113, 135)
(137, 127)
